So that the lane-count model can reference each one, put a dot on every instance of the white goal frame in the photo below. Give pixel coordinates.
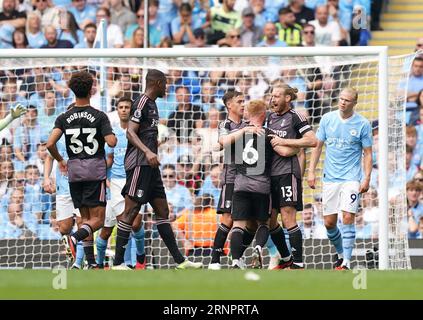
(378, 51)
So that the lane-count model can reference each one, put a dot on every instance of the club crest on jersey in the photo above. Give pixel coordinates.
(353, 132)
(283, 122)
(137, 113)
(140, 193)
(228, 204)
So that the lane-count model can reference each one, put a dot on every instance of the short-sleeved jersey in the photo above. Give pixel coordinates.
(344, 140)
(228, 173)
(290, 125)
(117, 171)
(253, 163)
(145, 113)
(84, 129)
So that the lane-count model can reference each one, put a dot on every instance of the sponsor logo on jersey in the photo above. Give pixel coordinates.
(353, 132)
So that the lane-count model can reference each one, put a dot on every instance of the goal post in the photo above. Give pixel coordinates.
(367, 67)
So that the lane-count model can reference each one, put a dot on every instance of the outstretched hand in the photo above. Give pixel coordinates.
(17, 111)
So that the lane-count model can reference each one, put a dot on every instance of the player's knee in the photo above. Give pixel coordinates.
(65, 226)
(330, 224)
(227, 220)
(348, 218)
(136, 225)
(106, 233)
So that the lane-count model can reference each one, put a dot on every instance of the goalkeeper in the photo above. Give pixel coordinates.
(15, 112)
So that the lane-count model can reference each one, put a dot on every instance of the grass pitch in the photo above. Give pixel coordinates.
(205, 284)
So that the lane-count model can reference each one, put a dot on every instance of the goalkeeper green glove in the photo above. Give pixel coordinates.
(17, 111)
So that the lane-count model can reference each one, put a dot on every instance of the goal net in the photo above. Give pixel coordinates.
(190, 159)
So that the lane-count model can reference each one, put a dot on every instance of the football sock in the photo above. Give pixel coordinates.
(237, 235)
(101, 245)
(83, 232)
(122, 237)
(335, 237)
(296, 241)
(219, 242)
(89, 251)
(348, 239)
(262, 235)
(278, 238)
(79, 261)
(166, 233)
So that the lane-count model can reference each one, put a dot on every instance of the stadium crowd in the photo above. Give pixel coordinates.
(192, 108)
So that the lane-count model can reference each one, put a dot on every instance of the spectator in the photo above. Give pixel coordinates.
(223, 19)
(209, 136)
(27, 137)
(177, 194)
(414, 206)
(271, 40)
(114, 32)
(419, 44)
(83, 13)
(137, 40)
(6, 151)
(411, 140)
(199, 39)
(165, 43)
(186, 117)
(33, 214)
(6, 176)
(70, 30)
(11, 16)
(311, 228)
(187, 175)
(48, 114)
(50, 34)
(181, 28)
(262, 13)
(409, 165)
(232, 39)
(156, 28)
(250, 33)
(90, 33)
(415, 85)
(370, 205)
(50, 16)
(420, 229)
(290, 77)
(208, 96)
(121, 15)
(288, 30)
(342, 15)
(168, 10)
(308, 35)
(198, 226)
(211, 185)
(33, 31)
(19, 39)
(42, 84)
(9, 94)
(15, 227)
(326, 33)
(302, 13)
(39, 160)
